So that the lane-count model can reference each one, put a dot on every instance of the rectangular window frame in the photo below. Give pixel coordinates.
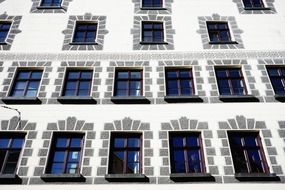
(246, 92)
(8, 32)
(190, 78)
(125, 135)
(185, 134)
(152, 7)
(231, 39)
(50, 6)
(79, 69)
(281, 77)
(87, 23)
(262, 154)
(153, 22)
(12, 135)
(52, 149)
(263, 3)
(13, 83)
(129, 69)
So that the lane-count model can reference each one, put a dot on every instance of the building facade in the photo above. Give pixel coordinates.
(142, 94)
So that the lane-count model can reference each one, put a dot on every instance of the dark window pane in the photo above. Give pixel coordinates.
(135, 93)
(36, 75)
(74, 156)
(133, 156)
(72, 168)
(57, 168)
(4, 143)
(172, 92)
(9, 168)
(133, 142)
(73, 75)
(118, 162)
(177, 142)
(85, 85)
(134, 85)
(23, 75)
(122, 75)
(75, 142)
(119, 142)
(122, 85)
(86, 75)
(133, 168)
(17, 143)
(135, 74)
(62, 142)
(179, 156)
(192, 141)
(59, 156)
(171, 74)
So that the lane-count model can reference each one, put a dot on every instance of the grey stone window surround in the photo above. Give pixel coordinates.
(14, 30)
(60, 81)
(253, 93)
(147, 81)
(168, 43)
(270, 95)
(233, 27)
(68, 43)
(165, 9)
(9, 82)
(188, 125)
(200, 93)
(28, 128)
(268, 9)
(281, 132)
(69, 125)
(37, 8)
(244, 124)
(130, 126)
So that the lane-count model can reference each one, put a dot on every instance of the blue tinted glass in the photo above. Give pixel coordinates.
(57, 168)
(238, 87)
(73, 156)
(83, 93)
(72, 168)
(234, 73)
(34, 85)
(235, 141)
(177, 141)
(221, 73)
(172, 74)
(70, 93)
(157, 26)
(5, 26)
(92, 27)
(18, 93)
(178, 155)
(4, 143)
(84, 85)
(79, 37)
(135, 92)
(119, 142)
(31, 93)
(20, 85)
(73, 75)
(147, 34)
(225, 36)
(172, 84)
(59, 156)
(90, 37)
(133, 168)
(36, 75)
(211, 25)
(255, 161)
(135, 85)
(185, 74)
(222, 26)
(193, 156)
(71, 85)
(122, 75)
(186, 91)
(133, 156)
(23, 75)
(122, 85)
(172, 92)
(250, 141)
(75, 142)
(17, 143)
(179, 167)
(3, 35)
(192, 141)
(273, 72)
(122, 93)
(86, 75)
(147, 39)
(135, 74)
(185, 84)
(214, 38)
(119, 155)
(61, 142)
(147, 25)
(133, 142)
(81, 27)
(278, 86)
(224, 88)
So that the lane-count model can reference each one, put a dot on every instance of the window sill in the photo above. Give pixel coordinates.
(126, 178)
(10, 179)
(256, 177)
(256, 8)
(3, 43)
(178, 99)
(76, 100)
(63, 178)
(83, 43)
(49, 7)
(153, 43)
(21, 100)
(280, 97)
(153, 8)
(196, 177)
(238, 98)
(221, 43)
(130, 100)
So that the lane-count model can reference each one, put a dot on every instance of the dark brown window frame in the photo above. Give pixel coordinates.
(78, 80)
(218, 31)
(184, 134)
(179, 79)
(11, 136)
(229, 79)
(245, 149)
(125, 135)
(78, 23)
(280, 76)
(53, 149)
(152, 30)
(129, 70)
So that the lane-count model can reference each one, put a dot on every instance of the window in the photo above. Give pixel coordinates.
(277, 77)
(230, 81)
(128, 83)
(247, 152)
(85, 33)
(152, 32)
(51, 3)
(125, 153)
(4, 30)
(10, 149)
(179, 82)
(151, 3)
(65, 154)
(219, 32)
(26, 83)
(78, 83)
(186, 153)
(253, 3)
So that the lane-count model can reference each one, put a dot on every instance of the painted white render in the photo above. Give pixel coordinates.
(41, 40)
